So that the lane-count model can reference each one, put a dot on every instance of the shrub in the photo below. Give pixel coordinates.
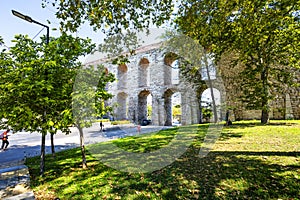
(118, 122)
(103, 120)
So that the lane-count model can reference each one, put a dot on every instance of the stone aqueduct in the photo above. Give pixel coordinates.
(148, 73)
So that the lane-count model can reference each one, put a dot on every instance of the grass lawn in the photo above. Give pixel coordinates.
(249, 161)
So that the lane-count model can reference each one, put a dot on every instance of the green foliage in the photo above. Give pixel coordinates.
(245, 25)
(249, 160)
(119, 122)
(115, 45)
(103, 120)
(207, 113)
(149, 111)
(36, 86)
(36, 83)
(36, 78)
(1, 41)
(263, 34)
(176, 111)
(190, 55)
(111, 16)
(89, 94)
(177, 106)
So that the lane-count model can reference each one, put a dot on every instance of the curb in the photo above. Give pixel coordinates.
(24, 196)
(14, 183)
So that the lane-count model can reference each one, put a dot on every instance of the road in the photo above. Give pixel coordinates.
(25, 144)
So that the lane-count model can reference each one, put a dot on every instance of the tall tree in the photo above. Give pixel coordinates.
(36, 82)
(89, 96)
(265, 35)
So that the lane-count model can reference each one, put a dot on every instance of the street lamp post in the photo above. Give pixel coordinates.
(29, 19)
(42, 164)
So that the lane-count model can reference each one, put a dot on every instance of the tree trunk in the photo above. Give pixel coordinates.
(227, 117)
(264, 116)
(42, 162)
(84, 163)
(200, 117)
(52, 145)
(211, 89)
(265, 96)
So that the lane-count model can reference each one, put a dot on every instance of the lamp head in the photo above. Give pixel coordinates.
(20, 15)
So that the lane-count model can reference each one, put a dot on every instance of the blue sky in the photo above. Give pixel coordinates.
(11, 25)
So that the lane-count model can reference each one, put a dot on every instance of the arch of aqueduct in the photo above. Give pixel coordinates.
(148, 73)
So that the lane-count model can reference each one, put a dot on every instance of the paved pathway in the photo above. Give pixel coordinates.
(14, 176)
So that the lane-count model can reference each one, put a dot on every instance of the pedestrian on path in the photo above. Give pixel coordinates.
(101, 126)
(4, 137)
(139, 128)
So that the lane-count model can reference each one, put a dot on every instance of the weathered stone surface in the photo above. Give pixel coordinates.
(149, 73)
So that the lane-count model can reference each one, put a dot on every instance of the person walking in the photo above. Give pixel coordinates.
(139, 128)
(5, 139)
(101, 126)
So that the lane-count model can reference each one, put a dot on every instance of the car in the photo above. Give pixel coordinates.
(146, 122)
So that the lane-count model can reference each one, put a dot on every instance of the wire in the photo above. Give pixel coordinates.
(2, 44)
(38, 33)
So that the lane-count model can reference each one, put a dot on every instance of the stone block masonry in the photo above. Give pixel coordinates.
(147, 80)
(150, 79)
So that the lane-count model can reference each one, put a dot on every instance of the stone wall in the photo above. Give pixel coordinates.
(285, 105)
(148, 74)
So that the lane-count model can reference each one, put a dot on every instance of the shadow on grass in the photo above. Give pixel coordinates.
(231, 175)
(255, 123)
(229, 131)
(228, 135)
(219, 175)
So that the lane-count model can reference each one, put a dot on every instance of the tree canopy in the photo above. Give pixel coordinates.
(262, 34)
(36, 85)
(38, 78)
(111, 16)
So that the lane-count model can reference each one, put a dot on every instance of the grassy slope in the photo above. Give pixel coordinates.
(249, 161)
